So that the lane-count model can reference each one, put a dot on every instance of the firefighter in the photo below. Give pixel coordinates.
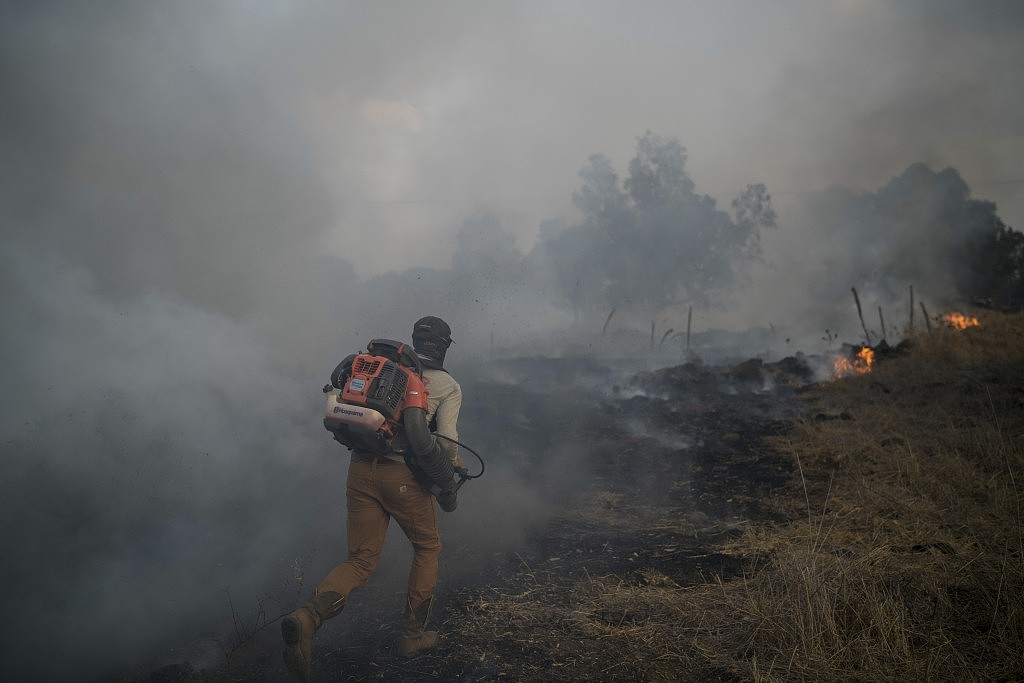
(382, 487)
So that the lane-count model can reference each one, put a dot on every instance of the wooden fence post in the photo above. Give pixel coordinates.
(860, 314)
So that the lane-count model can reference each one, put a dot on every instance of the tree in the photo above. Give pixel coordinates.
(485, 254)
(652, 241)
(563, 260)
(753, 211)
(489, 278)
(997, 272)
(922, 228)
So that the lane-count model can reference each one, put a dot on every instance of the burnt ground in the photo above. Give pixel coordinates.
(663, 467)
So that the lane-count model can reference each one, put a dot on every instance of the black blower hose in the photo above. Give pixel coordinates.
(464, 473)
(429, 456)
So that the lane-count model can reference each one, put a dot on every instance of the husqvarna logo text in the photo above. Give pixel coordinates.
(346, 411)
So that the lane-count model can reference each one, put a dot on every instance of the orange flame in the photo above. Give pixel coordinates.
(959, 321)
(858, 365)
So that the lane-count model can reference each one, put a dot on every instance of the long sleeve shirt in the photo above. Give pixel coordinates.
(444, 401)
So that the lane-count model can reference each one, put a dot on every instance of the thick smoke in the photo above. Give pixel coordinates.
(161, 470)
(204, 209)
(153, 456)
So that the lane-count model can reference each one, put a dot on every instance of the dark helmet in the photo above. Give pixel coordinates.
(431, 338)
(432, 326)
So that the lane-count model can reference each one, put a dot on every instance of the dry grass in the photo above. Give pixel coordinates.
(903, 559)
(909, 562)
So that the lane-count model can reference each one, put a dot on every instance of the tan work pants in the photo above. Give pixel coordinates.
(377, 490)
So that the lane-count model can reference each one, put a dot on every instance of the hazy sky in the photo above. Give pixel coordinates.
(469, 104)
(449, 105)
(385, 124)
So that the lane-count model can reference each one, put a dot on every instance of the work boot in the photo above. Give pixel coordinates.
(297, 630)
(414, 637)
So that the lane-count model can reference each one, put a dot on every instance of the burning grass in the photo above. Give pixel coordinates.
(959, 321)
(901, 558)
(859, 364)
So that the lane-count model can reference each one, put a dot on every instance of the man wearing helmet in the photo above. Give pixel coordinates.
(381, 487)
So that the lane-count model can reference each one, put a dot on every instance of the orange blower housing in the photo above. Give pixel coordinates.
(368, 393)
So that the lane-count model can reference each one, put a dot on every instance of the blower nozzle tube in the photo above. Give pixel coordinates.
(426, 459)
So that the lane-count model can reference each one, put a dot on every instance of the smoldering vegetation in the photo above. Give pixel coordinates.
(165, 467)
(893, 550)
(169, 314)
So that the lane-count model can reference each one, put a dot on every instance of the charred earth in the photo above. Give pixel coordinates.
(737, 522)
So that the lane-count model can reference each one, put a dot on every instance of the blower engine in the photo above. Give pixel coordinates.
(369, 391)
(377, 403)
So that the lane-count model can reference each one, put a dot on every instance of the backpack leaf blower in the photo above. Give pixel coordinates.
(376, 403)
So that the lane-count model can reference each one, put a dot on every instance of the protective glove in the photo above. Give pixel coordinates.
(447, 500)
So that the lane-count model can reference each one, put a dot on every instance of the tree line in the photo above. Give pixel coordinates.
(649, 241)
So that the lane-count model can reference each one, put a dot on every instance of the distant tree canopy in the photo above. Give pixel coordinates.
(923, 228)
(998, 273)
(487, 267)
(651, 240)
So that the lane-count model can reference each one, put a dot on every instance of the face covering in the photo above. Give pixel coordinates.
(431, 350)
